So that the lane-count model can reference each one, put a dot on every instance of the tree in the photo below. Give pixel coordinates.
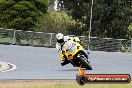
(111, 18)
(56, 21)
(22, 14)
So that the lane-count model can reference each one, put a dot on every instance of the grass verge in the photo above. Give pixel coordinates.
(59, 84)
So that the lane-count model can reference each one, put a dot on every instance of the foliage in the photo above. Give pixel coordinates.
(22, 14)
(130, 27)
(111, 18)
(56, 21)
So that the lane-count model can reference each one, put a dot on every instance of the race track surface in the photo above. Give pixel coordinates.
(44, 63)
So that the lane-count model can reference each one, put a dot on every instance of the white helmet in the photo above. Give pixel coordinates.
(60, 38)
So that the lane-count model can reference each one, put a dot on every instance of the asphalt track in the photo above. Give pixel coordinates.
(44, 63)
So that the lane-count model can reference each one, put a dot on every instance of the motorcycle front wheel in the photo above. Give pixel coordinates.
(84, 63)
(81, 61)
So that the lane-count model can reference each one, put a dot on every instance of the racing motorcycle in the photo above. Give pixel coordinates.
(77, 56)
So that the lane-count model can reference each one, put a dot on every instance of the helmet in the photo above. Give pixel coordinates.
(60, 38)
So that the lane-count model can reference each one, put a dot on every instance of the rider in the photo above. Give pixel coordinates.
(65, 43)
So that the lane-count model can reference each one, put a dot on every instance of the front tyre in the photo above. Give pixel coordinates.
(84, 63)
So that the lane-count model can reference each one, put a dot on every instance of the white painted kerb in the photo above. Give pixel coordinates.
(7, 66)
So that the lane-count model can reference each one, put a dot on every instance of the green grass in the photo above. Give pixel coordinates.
(9, 40)
(75, 85)
(38, 43)
(60, 85)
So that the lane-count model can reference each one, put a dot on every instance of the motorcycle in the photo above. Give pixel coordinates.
(77, 56)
